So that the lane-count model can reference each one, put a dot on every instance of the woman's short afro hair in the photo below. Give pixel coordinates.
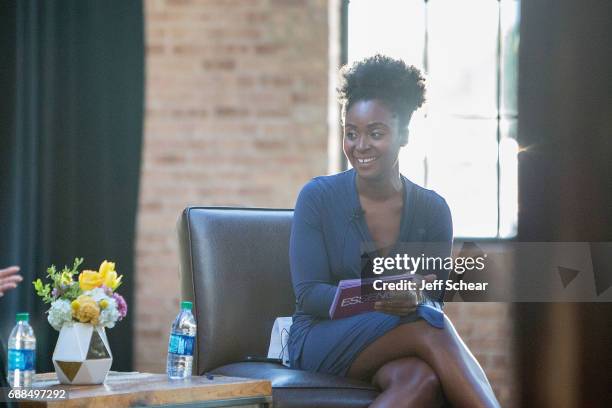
(400, 86)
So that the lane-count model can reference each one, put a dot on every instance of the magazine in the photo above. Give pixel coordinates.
(355, 296)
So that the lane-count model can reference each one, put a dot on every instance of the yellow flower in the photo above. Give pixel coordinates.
(85, 299)
(106, 267)
(103, 304)
(88, 311)
(106, 275)
(89, 280)
(109, 275)
(75, 306)
(66, 279)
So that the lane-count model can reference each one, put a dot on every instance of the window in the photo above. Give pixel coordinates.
(463, 140)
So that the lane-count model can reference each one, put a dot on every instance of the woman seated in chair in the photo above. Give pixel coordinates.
(413, 354)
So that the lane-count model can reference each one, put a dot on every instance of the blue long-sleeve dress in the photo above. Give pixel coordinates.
(326, 242)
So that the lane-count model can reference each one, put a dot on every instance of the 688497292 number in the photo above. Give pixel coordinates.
(39, 394)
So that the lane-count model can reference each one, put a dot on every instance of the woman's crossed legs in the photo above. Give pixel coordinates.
(441, 351)
(407, 382)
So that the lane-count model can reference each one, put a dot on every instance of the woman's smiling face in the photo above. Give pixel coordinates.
(371, 141)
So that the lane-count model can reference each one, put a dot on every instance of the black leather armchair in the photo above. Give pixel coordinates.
(235, 269)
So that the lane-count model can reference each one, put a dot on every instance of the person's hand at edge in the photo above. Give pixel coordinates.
(9, 279)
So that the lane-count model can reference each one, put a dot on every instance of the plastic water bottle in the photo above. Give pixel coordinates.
(181, 344)
(21, 353)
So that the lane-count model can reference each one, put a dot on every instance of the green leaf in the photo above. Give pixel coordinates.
(37, 284)
(72, 292)
(75, 266)
(51, 271)
(44, 291)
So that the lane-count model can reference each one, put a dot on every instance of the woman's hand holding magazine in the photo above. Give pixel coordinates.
(403, 302)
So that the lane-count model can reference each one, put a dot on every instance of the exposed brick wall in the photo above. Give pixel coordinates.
(236, 114)
(237, 99)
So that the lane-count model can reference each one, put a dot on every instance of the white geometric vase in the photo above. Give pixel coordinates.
(82, 355)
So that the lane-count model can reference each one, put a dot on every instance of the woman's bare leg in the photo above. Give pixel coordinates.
(407, 383)
(463, 381)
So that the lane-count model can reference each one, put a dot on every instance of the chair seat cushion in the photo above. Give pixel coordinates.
(297, 388)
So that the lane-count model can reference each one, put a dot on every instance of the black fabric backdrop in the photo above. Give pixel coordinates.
(71, 80)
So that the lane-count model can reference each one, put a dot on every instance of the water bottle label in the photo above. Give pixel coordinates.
(181, 344)
(21, 359)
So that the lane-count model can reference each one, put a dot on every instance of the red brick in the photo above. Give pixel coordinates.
(219, 65)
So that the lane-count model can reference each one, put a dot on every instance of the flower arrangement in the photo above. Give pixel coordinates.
(91, 298)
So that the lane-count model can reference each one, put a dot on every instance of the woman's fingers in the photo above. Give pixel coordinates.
(404, 301)
(399, 311)
(397, 307)
(430, 278)
(387, 309)
(11, 270)
(9, 279)
(6, 287)
(12, 279)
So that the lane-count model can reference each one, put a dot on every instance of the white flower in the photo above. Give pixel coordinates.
(97, 294)
(60, 313)
(109, 315)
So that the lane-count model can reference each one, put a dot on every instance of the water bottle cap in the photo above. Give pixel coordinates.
(22, 317)
(185, 305)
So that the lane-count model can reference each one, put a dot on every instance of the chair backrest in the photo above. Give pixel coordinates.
(234, 267)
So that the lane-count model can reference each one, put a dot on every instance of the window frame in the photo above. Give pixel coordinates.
(344, 39)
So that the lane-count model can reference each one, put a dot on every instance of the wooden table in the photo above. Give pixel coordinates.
(143, 389)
